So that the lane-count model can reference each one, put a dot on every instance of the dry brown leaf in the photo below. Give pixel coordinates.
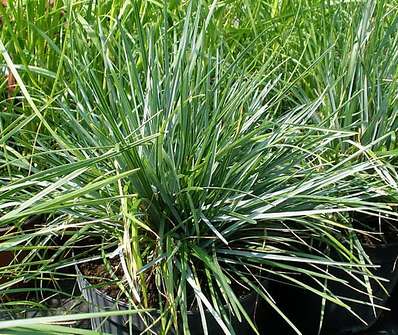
(11, 84)
(4, 3)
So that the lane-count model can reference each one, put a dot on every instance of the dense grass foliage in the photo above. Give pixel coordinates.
(213, 145)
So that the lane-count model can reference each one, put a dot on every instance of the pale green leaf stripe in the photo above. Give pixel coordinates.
(68, 196)
(48, 190)
(64, 318)
(285, 215)
(268, 256)
(48, 330)
(34, 69)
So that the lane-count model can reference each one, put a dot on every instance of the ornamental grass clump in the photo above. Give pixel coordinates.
(200, 174)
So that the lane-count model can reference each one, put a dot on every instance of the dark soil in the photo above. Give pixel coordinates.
(106, 277)
(97, 274)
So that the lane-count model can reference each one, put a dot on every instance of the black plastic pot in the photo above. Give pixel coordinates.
(120, 325)
(303, 307)
(387, 324)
